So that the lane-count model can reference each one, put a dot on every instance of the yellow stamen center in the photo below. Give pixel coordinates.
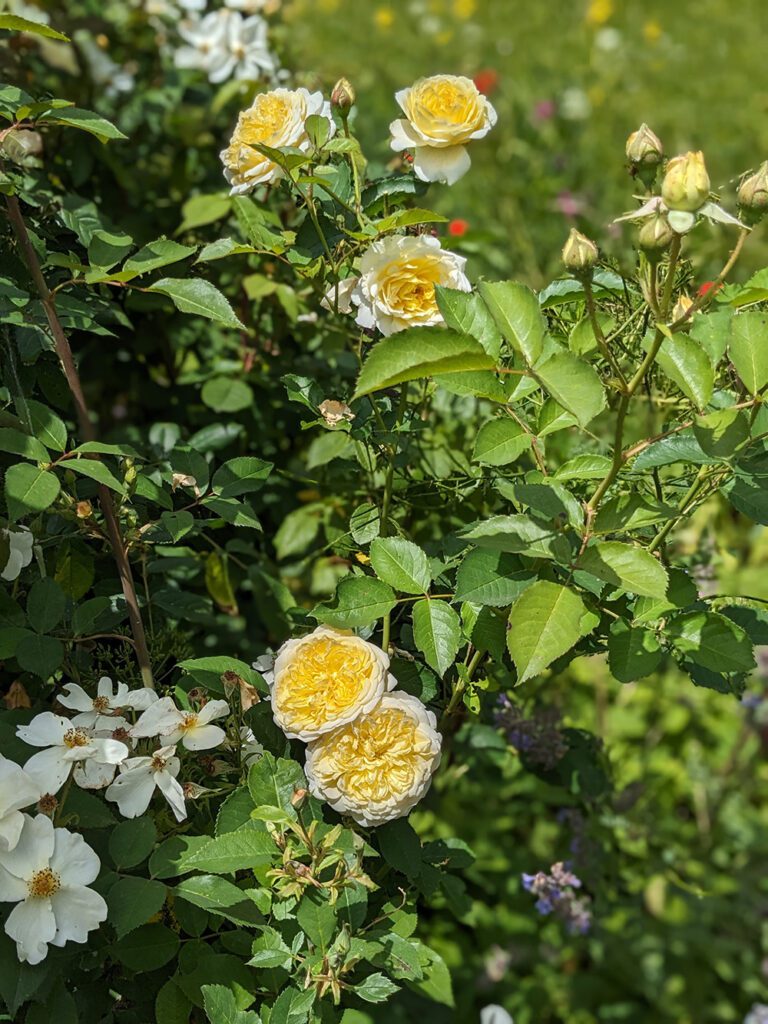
(44, 883)
(189, 722)
(101, 704)
(75, 738)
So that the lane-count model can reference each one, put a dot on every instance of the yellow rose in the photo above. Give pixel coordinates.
(276, 119)
(325, 680)
(378, 767)
(686, 183)
(396, 286)
(442, 113)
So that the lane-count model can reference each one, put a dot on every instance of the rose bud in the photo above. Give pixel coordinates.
(752, 195)
(644, 148)
(655, 236)
(343, 95)
(681, 307)
(686, 182)
(579, 253)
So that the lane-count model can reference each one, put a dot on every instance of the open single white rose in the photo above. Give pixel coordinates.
(442, 114)
(139, 777)
(276, 119)
(47, 875)
(109, 701)
(396, 286)
(65, 744)
(326, 679)
(17, 790)
(378, 767)
(92, 774)
(192, 729)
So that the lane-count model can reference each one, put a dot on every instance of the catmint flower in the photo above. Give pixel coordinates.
(556, 894)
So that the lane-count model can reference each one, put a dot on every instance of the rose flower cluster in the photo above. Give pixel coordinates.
(371, 752)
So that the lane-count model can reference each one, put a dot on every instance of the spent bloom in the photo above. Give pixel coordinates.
(65, 744)
(276, 119)
(379, 766)
(226, 45)
(17, 790)
(110, 700)
(47, 875)
(193, 729)
(556, 894)
(326, 680)
(396, 286)
(133, 788)
(442, 114)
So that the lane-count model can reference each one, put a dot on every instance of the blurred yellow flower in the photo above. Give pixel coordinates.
(328, 6)
(464, 9)
(652, 31)
(378, 767)
(599, 11)
(444, 37)
(384, 18)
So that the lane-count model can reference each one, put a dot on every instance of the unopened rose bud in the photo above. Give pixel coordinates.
(681, 307)
(579, 253)
(686, 183)
(752, 195)
(655, 236)
(298, 798)
(343, 96)
(644, 148)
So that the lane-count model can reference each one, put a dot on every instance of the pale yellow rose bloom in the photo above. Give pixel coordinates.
(378, 767)
(325, 680)
(396, 286)
(442, 114)
(686, 183)
(276, 119)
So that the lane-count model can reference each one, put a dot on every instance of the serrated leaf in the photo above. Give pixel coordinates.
(359, 601)
(688, 366)
(626, 566)
(85, 120)
(419, 352)
(436, 633)
(194, 295)
(546, 621)
(494, 578)
(29, 489)
(517, 314)
(633, 652)
(402, 564)
(712, 640)
(574, 384)
(155, 254)
(15, 23)
(500, 442)
(132, 902)
(748, 349)
(466, 313)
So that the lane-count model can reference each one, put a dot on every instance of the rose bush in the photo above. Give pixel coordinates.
(328, 566)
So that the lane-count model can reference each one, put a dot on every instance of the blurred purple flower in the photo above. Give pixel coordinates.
(569, 204)
(556, 894)
(538, 737)
(544, 110)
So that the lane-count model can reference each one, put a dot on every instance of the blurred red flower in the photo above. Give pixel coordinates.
(486, 80)
(458, 227)
(707, 287)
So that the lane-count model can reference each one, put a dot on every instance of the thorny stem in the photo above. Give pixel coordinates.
(460, 687)
(87, 432)
(597, 330)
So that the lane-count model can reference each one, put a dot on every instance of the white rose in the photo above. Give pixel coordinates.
(396, 286)
(20, 543)
(325, 680)
(276, 119)
(378, 767)
(442, 113)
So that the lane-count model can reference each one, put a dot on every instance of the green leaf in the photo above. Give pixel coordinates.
(240, 476)
(220, 896)
(712, 641)
(688, 366)
(627, 567)
(201, 210)
(40, 654)
(748, 349)
(520, 534)
(221, 1007)
(107, 248)
(292, 1007)
(546, 621)
(132, 841)
(466, 313)
(221, 248)
(177, 524)
(132, 902)
(227, 394)
(574, 384)
(16, 443)
(172, 1005)
(500, 442)
(436, 633)
(94, 470)
(488, 577)
(235, 851)
(584, 467)
(29, 489)
(273, 781)
(419, 352)
(317, 919)
(155, 254)
(147, 948)
(45, 605)
(47, 426)
(86, 120)
(402, 564)
(516, 311)
(74, 569)
(197, 296)
(14, 23)
(365, 523)
(400, 847)
(633, 652)
(376, 988)
(720, 434)
(358, 601)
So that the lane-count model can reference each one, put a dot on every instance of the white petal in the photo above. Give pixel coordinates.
(494, 1014)
(340, 293)
(12, 889)
(109, 751)
(74, 697)
(213, 709)
(132, 791)
(446, 165)
(139, 700)
(403, 136)
(92, 775)
(714, 212)
(681, 221)
(203, 737)
(77, 911)
(45, 730)
(17, 789)
(32, 926)
(34, 849)
(173, 793)
(10, 830)
(161, 717)
(49, 769)
(73, 859)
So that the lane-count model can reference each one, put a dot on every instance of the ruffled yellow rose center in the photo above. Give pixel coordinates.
(447, 109)
(325, 678)
(75, 738)
(44, 883)
(408, 287)
(264, 122)
(375, 758)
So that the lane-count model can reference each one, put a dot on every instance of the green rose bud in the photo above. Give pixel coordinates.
(752, 195)
(644, 148)
(686, 183)
(655, 236)
(343, 95)
(579, 253)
